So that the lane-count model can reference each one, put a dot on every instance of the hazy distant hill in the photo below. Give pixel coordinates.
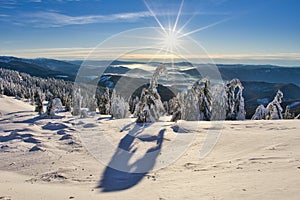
(268, 73)
(260, 73)
(32, 67)
(57, 65)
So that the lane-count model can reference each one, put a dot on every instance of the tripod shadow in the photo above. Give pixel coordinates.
(120, 174)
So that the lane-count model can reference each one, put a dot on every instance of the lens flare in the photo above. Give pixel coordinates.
(171, 40)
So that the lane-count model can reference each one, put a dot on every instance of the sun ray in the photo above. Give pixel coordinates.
(156, 19)
(204, 28)
(178, 15)
(186, 23)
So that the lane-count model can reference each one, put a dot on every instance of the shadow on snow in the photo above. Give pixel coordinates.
(120, 174)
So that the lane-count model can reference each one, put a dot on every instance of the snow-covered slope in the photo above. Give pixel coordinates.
(49, 159)
(11, 104)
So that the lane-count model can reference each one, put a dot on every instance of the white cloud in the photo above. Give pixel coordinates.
(37, 1)
(108, 53)
(53, 19)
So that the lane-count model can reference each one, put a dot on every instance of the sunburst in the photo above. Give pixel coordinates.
(171, 37)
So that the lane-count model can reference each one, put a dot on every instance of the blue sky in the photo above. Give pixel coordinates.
(238, 31)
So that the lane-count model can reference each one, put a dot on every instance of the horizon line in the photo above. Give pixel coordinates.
(144, 61)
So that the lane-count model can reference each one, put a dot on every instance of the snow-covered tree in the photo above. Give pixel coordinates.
(150, 106)
(1, 87)
(54, 106)
(92, 106)
(219, 103)
(38, 96)
(103, 102)
(288, 114)
(68, 102)
(77, 101)
(119, 107)
(275, 109)
(272, 111)
(195, 103)
(133, 101)
(260, 113)
(235, 102)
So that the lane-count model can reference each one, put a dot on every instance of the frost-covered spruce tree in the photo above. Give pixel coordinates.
(195, 103)
(32, 94)
(150, 106)
(274, 107)
(260, 113)
(68, 102)
(235, 101)
(219, 103)
(174, 109)
(205, 101)
(173, 106)
(77, 101)
(133, 101)
(272, 111)
(166, 106)
(288, 114)
(1, 87)
(92, 106)
(103, 102)
(54, 106)
(38, 97)
(119, 107)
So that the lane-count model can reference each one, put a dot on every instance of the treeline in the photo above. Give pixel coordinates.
(78, 100)
(201, 102)
(24, 86)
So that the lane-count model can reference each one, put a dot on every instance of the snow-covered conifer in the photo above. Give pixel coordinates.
(54, 106)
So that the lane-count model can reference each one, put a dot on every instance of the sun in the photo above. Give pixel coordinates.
(171, 39)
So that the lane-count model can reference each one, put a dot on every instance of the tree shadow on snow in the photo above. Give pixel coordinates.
(120, 174)
(14, 135)
(37, 118)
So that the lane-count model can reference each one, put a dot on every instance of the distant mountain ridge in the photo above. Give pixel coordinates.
(33, 67)
(263, 73)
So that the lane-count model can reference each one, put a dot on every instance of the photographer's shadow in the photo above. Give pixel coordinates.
(120, 174)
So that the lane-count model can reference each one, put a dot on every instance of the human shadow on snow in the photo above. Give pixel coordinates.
(120, 174)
